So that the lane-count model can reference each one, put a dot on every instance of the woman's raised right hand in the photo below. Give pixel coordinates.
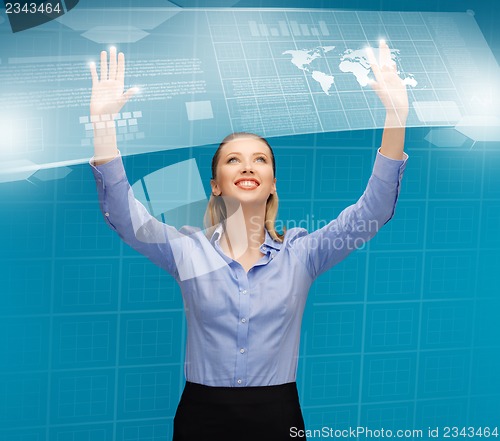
(107, 92)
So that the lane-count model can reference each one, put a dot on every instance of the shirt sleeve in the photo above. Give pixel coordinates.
(356, 224)
(129, 218)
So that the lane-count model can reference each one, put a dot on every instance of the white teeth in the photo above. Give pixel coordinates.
(247, 184)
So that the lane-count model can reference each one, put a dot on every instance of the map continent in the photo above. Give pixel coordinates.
(350, 61)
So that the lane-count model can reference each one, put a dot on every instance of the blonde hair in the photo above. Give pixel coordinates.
(216, 214)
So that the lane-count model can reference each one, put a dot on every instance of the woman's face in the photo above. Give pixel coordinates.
(245, 172)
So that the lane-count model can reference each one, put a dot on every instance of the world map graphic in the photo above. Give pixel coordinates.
(350, 61)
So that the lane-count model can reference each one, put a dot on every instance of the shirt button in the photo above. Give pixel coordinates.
(242, 351)
(243, 320)
(239, 381)
(106, 214)
(244, 291)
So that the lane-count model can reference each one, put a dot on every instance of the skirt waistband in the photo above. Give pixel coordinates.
(195, 392)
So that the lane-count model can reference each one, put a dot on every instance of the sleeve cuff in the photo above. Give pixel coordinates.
(109, 173)
(388, 169)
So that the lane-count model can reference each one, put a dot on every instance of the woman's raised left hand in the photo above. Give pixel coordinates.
(388, 85)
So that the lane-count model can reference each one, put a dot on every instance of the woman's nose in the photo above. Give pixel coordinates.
(247, 167)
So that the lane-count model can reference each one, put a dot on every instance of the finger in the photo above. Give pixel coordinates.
(128, 94)
(384, 54)
(373, 62)
(112, 63)
(93, 73)
(104, 65)
(120, 72)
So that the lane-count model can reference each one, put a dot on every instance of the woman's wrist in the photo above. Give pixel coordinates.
(394, 118)
(105, 146)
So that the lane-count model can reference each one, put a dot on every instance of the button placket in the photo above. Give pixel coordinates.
(242, 331)
(100, 178)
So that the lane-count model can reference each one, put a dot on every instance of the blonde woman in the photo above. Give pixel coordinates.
(244, 285)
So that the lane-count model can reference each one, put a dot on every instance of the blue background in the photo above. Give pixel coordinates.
(403, 334)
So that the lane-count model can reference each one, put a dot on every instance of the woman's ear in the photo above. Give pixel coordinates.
(215, 188)
(274, 187)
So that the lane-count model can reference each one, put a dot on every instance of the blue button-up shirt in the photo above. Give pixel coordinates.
(244, 328)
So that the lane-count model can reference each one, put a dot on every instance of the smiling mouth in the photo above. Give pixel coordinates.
(247, 185)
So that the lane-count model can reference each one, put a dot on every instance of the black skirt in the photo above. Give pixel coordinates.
(257, 413)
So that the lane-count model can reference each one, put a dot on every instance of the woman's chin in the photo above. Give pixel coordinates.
(245, 197)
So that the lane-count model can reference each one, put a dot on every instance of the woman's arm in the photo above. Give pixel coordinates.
(392, 92)
(122, 212)
(126, 216)
(358, 223)
(393, 139)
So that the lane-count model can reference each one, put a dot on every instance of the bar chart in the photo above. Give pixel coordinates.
(285, 29)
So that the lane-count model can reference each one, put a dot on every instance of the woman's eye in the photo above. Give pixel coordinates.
(234, 157)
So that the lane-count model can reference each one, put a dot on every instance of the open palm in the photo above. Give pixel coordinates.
(389, 87)
(107, 92)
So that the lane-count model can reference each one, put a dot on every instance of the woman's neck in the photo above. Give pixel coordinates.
(244, 231)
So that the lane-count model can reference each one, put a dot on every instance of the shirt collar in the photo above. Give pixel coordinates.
(269, 242)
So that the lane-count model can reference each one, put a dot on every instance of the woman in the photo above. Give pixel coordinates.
(244, 285)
